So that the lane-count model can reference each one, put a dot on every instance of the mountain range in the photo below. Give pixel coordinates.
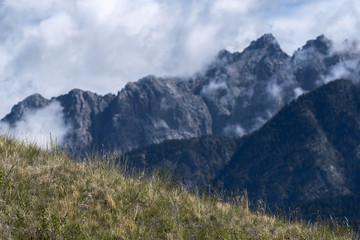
(257, 120)
(236, 95)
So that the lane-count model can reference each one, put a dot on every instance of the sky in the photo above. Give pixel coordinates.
(52, 46)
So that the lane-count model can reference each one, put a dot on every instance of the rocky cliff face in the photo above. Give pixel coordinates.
(81, 111)
(236, 95)
(151, 111)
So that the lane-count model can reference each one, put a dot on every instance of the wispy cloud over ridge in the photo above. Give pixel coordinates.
(52, 46)
(39, 126)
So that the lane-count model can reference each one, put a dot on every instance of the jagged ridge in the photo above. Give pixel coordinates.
(236, 95)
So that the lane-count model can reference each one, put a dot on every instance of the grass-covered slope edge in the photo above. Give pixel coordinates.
(46, 195)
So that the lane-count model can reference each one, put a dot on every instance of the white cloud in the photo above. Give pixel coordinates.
(298, 92)
(213, 87)
(57, 30)
(234, 130)
(53, 46)
(232, 7)
(349, 69)
(274, 89)
(39, 5)
(39, 126)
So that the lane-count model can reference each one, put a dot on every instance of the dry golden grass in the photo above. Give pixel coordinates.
(47, 195)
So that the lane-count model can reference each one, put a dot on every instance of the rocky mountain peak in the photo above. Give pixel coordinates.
(264, 47)
(321, 44)
(226, 56)
(35, 101)
(75, 91)
(265, 41)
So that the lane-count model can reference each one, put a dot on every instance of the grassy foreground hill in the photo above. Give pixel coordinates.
(47, 195)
